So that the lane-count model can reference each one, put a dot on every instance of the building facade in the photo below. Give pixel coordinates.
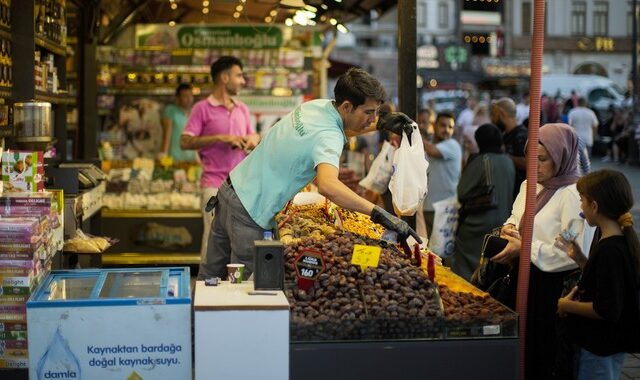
(581, 36)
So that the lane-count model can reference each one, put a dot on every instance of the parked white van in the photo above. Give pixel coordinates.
(599, 91)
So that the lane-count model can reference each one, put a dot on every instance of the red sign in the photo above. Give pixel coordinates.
(309, 265)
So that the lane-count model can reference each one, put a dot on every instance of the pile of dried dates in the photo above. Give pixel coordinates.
(396, 300)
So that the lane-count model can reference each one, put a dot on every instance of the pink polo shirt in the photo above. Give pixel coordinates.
(210, 117)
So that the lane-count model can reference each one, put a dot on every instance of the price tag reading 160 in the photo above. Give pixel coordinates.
(309, 265)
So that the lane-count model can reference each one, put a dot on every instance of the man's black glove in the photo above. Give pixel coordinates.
(380, 216)
(395, 122)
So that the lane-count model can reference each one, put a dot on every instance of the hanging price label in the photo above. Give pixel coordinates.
(365, 256)
(309, 265)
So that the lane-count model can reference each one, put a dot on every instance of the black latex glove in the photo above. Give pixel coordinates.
(380, 216)
(395, 122)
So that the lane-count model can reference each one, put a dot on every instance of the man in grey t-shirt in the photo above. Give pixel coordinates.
(445, 163)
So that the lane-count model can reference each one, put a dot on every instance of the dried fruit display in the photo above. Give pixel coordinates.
(455, 283)
(303, 221)
(394, 301)
(359, 224)
(467, 314)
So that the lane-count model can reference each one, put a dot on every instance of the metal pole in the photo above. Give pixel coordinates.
(634, 55)
(407, 58)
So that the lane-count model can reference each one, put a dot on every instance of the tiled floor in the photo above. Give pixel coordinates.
(631, 369)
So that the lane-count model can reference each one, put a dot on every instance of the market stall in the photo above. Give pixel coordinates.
(371, 303)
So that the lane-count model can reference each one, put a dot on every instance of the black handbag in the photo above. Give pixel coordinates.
(499, 280)
(481, 198)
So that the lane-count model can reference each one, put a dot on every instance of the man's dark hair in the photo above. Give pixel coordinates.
(356, 86)
(182, 87)
(425, 110)
(442, 114)
(223, 63)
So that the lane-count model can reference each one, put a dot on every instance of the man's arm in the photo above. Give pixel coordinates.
(167, 126)
(199, 142)
(330, 186)
(432, 150)
(519, 162)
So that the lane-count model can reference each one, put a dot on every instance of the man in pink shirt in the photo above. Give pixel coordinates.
(219, 129)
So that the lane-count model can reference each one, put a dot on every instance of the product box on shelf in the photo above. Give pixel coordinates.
(26, 204)
(23, 171)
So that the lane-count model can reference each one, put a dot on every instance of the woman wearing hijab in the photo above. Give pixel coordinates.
(489, 166)
(557, 203)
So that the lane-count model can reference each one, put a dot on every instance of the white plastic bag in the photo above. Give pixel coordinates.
(445, 222)
(408, 183)
(380, 172)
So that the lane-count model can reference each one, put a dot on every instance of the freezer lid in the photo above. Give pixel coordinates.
(89, 287)
(134, 284)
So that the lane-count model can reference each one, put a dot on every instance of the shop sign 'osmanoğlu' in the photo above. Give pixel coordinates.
(209, 37)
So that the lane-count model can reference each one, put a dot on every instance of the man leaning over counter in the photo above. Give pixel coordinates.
(303, 145)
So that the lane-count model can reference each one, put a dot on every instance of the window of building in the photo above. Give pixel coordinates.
(600, 18)
(526, 18)
(422, 14)
(443, 15)
(578, 18)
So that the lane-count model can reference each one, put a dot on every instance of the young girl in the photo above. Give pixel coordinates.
(603, 307)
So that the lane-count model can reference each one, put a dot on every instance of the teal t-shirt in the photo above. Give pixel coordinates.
(178, 120)
(285, 160)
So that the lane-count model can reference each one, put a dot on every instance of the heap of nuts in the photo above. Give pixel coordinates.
(359, 224)
(465, 311)
(393, 301)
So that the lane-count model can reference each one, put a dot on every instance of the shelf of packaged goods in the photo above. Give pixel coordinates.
(181, 258)
(166, 91)
(199, 69)
(5, 92)
(51, 46)
(44, 96)
(5, 32)
(122, 213)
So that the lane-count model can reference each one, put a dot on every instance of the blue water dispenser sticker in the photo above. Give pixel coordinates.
(58, 361)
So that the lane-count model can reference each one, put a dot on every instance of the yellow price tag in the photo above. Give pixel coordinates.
(365, 256)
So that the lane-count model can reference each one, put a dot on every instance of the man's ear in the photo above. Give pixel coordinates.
(346, 107)
(224, 77)
(594, 206)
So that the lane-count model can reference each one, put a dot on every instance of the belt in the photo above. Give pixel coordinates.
(228, 181)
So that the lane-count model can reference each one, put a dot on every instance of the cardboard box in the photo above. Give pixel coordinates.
(23, 171)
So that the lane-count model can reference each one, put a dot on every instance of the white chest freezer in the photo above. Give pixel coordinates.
(111, 324)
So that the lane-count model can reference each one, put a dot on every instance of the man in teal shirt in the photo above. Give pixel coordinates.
(303, 145)
(174, 118)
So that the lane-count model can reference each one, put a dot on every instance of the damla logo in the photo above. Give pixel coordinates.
(58, 361)
(61, 375)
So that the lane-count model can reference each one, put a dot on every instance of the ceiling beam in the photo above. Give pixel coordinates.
(124, 18)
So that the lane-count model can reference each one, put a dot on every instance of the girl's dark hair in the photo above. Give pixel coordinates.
(356, 86)
(612, 191)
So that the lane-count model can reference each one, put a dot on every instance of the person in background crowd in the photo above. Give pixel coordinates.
(174, 119)
(445, 158)
(551, 110)
(303, 145)
(522, 109)
(465, 118)
(503, 115)
(426, 120)
(480, 117)
(603, 308)
(220, 130)
(492, 166)
(585, 122)
(557, 203)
